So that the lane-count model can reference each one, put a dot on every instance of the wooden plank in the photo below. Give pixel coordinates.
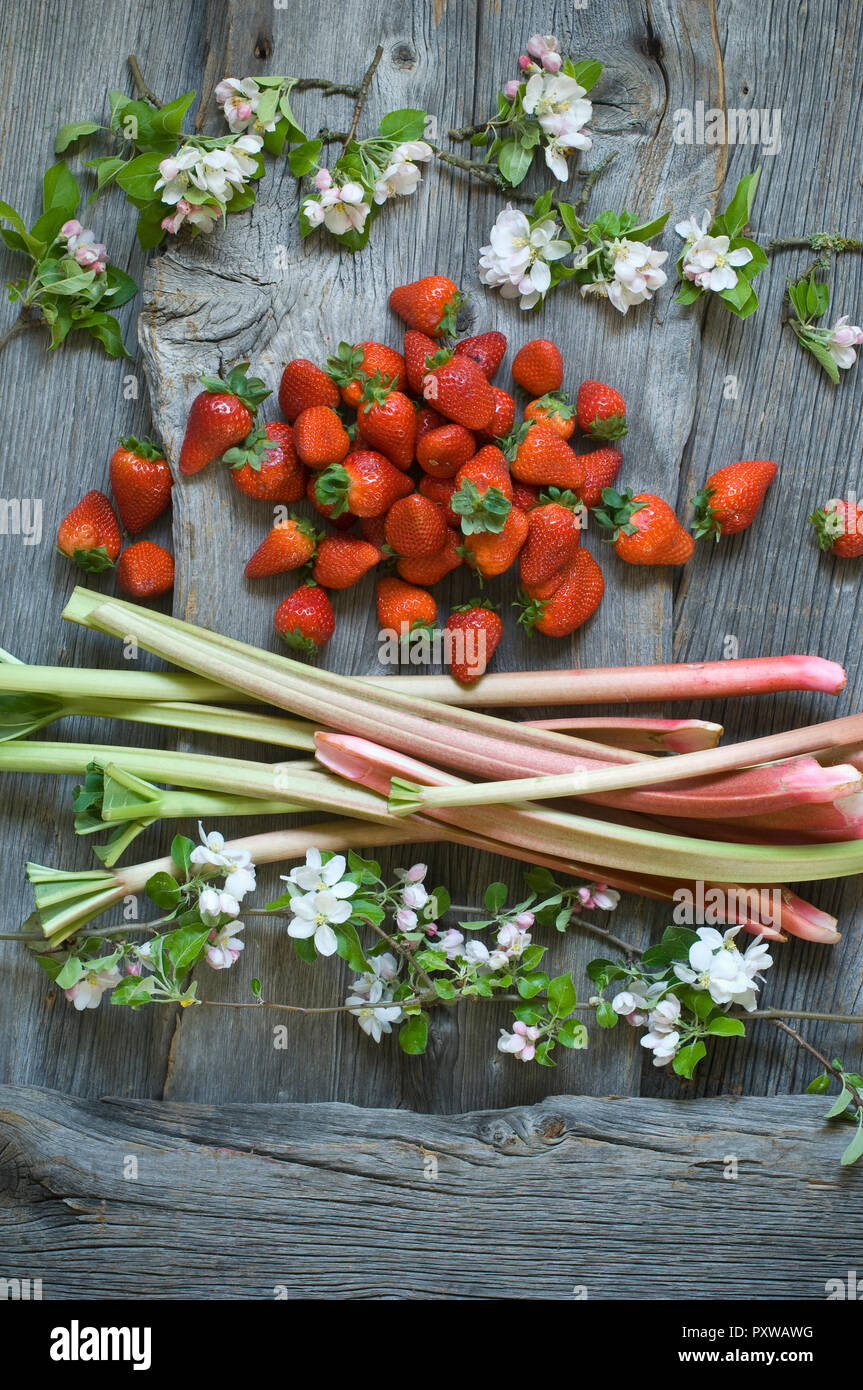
(338, 1202)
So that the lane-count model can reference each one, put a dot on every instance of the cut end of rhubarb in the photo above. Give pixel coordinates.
(404, 797)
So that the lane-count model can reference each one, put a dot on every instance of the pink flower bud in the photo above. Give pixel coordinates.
(525, 920)
(552, 62)
(169, 169)
(71, 228)
(520, 1028)
(432, 929)
(99, 266)
(244, 111)
(323, 180)
(524, 63)
(416, 873)
(510, 91)
(133, 967)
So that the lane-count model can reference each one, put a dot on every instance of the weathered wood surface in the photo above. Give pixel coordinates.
(215, 301)
(122, 1199)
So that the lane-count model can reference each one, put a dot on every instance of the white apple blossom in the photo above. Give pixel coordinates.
(375, 1021)
(383, 967)
(344, 209)
(314, 876)
(663, 1019)
(715, 964)
(549, 96)
(406, 920)
(663, 1046)
(691, 230)
(238, 99)
(477, 953)
(236, 864)
(313, 212)
(82, 245)
(516, 260)
(451, 943)
(631, 1005)
(175, 174)
(636, 272)
(711, 265)
(521, 1042)
(313, 915)
(225, 946)
(414, 896)
(87, 992)
(842, 340)
(213, 904)
(513, 939)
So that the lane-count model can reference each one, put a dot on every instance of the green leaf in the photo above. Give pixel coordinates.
(562, 997)
(72, 131)
(121, 287)
(349, 947)
(289, 123)
(840, 1105)
(150, 230)
(495, 896)
(688, 1058)
(818, 1085)
(304, 158)
(413, 1035)
(573, 1034)
(531, 982)
(821, 354)
(305, 949)
(135, 990)
(46, 228)
(107, 331)
(407, 124)
(164, 891)
(139, 176)
(169, 120)
(369, 870)
(724, 1027)
(60, 190)
(531, 1014)
(105, 170)
(605, 1015)
(646, 230)
(587, 72)
(688, 292)
(445, 989)
(736, 215)
(181, 853)
(702, 1004)
(855, 1148)
(513, 161)
(185, 947)
(438, 905)
(601, 967)
(70, 974)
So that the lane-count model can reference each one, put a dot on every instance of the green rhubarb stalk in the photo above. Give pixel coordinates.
(74, 683)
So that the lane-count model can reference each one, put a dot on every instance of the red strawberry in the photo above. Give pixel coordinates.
(486, 349)
(600, 410)
(442, 452)
(428, 569)
(730, 498)
(320, 438)
(403, 607)
(538, 455)
(288, 546)
(839, 527)
(344, 522)
(538, 367)
(145, 570)
(553, 538)
(351, 367)
(265, 465)
(388, 422)
(430, 304)
(492, 552)
(646, 530)
(602, 467)
(427, 419)
(525, 496)
(343, 560)
(415, 526)
(441, 490)
(140, 481)
(221, 416)
(483, 494)
(418, 348)
(373, 530)
(305, 619)
(456, 387)
(504, 415)
(366, 484)
(574, 599)
(90, 535)
(477, 630)
(305, 384)
(553, 410)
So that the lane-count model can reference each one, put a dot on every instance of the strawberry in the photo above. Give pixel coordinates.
(221, 416)
(428, 569)
(602, 467)
(373, 530)
(600, 410)
(305, 619)
(415, 526)
(730, 498)
(366, 484)
(477, 630)
(486, 349)
(90, 534)
(388, 421)
(145, 570)
(646, 530)
(839, 527)
(344, 522)
(504, 415)
(343, 560)
(427, 419)
(537, 454)
(305, 384)
(140, 481)
(483, 495)
(441, 490)
(525, 496)
(403, 607)
(553, 537)
(320, 438)
(442, 452)
(265, 465)
(430, 305)
(573, 600)
(351, 367)
(288, 546)
(456, 387)
(538, 367)
(492, 552)
(554, 410)
(418, 348)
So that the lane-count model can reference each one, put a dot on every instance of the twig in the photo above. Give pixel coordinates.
(465, 132)
(835, 1072)
(363, 93)
(329, 89)
(21, 324)
(141, 88)
(590, 177)
(823, 242)
(403, 952)
(812, 1015)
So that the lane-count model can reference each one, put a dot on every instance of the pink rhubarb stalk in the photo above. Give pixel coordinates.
(640, 735)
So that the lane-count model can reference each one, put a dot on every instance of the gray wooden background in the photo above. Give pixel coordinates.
(701, 388)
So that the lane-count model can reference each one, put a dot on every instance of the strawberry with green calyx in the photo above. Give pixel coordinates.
(265, 466)
(415, 526)
(305, 619)
(351, 367)
(731, 497)
(601, 469)
(388, 421)
(90, 535)
(418, 349)
(403, 607)
(480, 511)
(320, 437)
(441, 452)
(140, 481)
(553, 409)
(366, 485)
(538, 367)
(491, 553)
(145, 571)
(538, 455)
(600, 410)
(839, 528)
(645, 528)
(457, 388)
(287, 546)
(553, 538)
(342, 561)
(572, 601)
(477, 629)
(343, 522)
(429, 569)
(304, 384)
(220, 417)
(487, 350)
(429, 305)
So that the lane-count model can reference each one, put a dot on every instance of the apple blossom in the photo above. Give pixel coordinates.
(516, 260)
(225, 946)
(375, 1021)
(87, 992)
(711, 265)
(239, 102)
(237, 867)
(842, 340)
(663, 1046)
(314, 876)
(313, 915)
(213, 904)
(451, 943)
(520, 1042)
(344, 208)
(715, 964)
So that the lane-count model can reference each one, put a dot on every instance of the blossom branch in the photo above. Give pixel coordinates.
(142, 91)
(362, 95)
